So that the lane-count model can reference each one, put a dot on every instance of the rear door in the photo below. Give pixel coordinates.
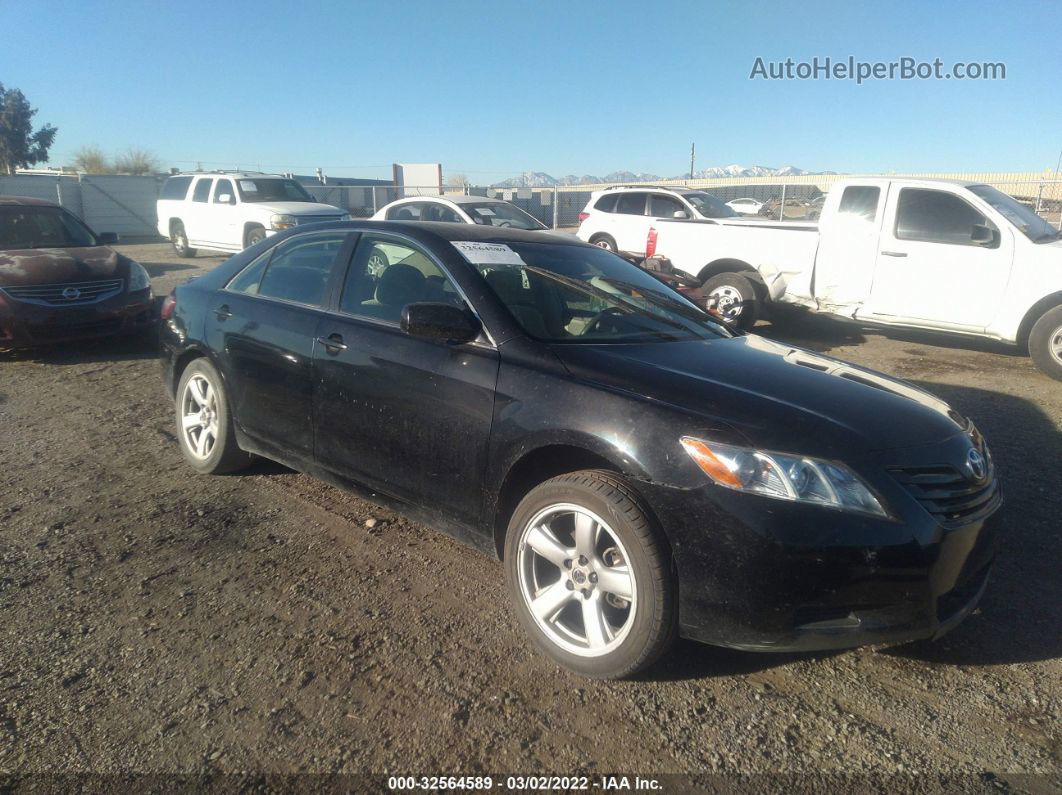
(848, 249)
(407, 416)
(264, 323)
(930, 268)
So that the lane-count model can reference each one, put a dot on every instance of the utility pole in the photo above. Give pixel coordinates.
(693, 157)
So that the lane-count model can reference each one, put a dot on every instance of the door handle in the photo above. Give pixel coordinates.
(894, 253)
(223, 312)
(333, 343)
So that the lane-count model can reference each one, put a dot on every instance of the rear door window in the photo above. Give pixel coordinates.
(202, 189)
(410, 211)
(631, 204)
(860, 201)
(300, 268)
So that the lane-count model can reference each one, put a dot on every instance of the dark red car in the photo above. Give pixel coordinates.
(60, 281)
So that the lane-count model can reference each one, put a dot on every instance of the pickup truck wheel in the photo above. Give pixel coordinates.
(589, 575)
(1045, 343)
(605, 242)
(734, 299)
(255, 234)
(179, 238)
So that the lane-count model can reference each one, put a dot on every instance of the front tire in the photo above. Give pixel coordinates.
(179, 239)
(1045, 343)
(590, 575)
(256, 234)
(204, 422)
(735, 299)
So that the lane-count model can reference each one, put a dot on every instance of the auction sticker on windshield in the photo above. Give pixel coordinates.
(487, 253)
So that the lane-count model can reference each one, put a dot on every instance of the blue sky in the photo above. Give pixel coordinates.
(492, 88)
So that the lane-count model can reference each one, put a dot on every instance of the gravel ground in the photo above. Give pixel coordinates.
(156, 621)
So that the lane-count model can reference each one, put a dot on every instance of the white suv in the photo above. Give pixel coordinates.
(619, 218)
(231, 210)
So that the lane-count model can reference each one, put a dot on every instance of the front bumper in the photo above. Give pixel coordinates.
(764, 575)
(29, 325)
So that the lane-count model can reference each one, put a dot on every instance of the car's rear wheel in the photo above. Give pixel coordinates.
(179, 238)
(1045, 343)
(204, 423)
(256, 234)
(734, 299)
(591, 576)
(604, 241)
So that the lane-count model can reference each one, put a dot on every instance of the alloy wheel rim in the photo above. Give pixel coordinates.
(728, 301)
(576, 580)
(1055, 346)
(199, 416)
(181, 240)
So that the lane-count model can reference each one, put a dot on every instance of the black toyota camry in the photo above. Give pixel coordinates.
(641, 471)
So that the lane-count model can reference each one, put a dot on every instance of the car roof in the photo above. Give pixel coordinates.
(457, 198)
(236, 174)
(28, 201)
(447, 232)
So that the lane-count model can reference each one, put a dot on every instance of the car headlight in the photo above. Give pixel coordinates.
(282, 221)
(138, 277)
(783, 476)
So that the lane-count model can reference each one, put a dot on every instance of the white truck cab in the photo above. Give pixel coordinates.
(231, 210)
(954, 256)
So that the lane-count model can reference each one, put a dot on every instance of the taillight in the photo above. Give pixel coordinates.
(650, 243)
(583, 217)
(168, 305)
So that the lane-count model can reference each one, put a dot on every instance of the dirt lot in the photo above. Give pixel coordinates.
(154, 620)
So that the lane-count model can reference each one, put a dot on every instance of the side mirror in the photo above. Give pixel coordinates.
(984, 235)
(680, 214)
(226, 198)
(107, 238)
(444, 322)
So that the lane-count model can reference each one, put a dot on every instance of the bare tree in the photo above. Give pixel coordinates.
(458, 181)
(137, 162)
(91, 160)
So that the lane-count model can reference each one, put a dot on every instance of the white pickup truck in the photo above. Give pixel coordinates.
(952, 256)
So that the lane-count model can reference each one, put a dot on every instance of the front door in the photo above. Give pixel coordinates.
(940, 261)
(264, 324)
(224, 221)
(407, 416)
(196, 213)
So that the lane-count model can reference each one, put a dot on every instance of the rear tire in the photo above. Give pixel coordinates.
(204, 422)
(585, 550)
(735, 298)
(604, 241)
(1045, 343)
(179, 239)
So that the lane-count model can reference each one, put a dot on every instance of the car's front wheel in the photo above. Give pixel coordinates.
(591, 575)
(255, 234)
(204, 423)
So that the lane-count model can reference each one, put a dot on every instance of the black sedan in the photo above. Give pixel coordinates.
(641, 471)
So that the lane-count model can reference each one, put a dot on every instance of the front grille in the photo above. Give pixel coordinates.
(73, 294)
(947, 494)
(315, 219)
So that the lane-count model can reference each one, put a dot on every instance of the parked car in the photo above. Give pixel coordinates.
(618, 218)
(745, 206)
(815, 207)
(794, 209)
(941, 255)
(233, 210)
(459, 210)
(640, 470)
(60, 281)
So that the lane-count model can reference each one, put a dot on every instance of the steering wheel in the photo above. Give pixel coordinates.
(503, 222)
(611, 314)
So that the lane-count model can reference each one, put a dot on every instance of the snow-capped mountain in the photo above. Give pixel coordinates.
(540, 179)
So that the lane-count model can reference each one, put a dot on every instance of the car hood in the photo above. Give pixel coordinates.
(775, 396)
(298, 208)
(60, 265)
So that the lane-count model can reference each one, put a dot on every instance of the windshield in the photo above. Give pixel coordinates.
(501, 214)
(709, 206)
(1032, 226)
(272, 190)
(577, 294)
(41, 227)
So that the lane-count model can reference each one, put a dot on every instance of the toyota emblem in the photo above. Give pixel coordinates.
(71, 293)
(975, 463)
